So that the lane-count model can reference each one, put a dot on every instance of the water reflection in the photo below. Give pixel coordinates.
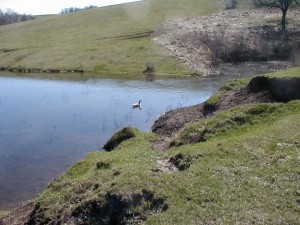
(47, 125)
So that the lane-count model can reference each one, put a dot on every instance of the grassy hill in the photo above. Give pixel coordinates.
(105, 40)
(244, 173)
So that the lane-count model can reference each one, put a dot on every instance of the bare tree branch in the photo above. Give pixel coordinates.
(283, 5)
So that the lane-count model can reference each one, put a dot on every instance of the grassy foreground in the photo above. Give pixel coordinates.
(247, 174)
(109, 40)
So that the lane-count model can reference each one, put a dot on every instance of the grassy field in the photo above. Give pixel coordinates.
(241, 174)
(109, 40)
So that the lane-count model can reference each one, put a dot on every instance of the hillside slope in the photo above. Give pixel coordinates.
(207, 43)
(111, 40)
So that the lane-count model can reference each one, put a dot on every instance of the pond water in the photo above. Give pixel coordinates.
(47, 125)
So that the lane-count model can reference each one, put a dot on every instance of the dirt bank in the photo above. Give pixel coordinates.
(203, 43)
(260, 89)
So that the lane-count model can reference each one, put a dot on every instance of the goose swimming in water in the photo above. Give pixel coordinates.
(137, 105)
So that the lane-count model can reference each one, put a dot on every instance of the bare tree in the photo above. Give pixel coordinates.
(283, 5)
(9, 16)
(74, 9)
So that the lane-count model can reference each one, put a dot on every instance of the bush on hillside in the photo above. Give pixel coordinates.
(150, 68)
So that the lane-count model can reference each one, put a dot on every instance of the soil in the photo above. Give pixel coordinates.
(122, 135)
(113, 208)
(203, 43)
(260, 89)
(173, 121)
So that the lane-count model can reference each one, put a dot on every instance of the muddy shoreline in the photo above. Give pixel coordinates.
(39, 70)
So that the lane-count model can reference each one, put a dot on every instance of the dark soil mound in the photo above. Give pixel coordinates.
(113, 208)
(260, 89)
(118, 138)
(280, 89)
(117, 209)
(21, 215)
(174, 120)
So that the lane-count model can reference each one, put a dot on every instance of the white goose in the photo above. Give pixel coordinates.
(137, 105)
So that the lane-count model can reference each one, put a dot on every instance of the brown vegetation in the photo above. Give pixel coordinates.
(205, 43)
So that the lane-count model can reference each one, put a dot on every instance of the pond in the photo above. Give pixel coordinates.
(46, 125)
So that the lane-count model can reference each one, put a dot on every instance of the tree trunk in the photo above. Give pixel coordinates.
(283, 21)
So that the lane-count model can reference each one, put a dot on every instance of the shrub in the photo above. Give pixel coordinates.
(232, 5)
(149, 68)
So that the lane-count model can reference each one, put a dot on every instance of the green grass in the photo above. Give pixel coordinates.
(4, 214)
(96, 40)
(236, 119)
(241, 83)
(107, 40)
(291, 72)
(243, 174)
(247, 177)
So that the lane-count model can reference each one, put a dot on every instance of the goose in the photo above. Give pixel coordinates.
(137, 105)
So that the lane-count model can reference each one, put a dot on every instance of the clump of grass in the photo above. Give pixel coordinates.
(119, 137)
(91, 181)
(4, 214)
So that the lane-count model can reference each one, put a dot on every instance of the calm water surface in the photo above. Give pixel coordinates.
(47, 125)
